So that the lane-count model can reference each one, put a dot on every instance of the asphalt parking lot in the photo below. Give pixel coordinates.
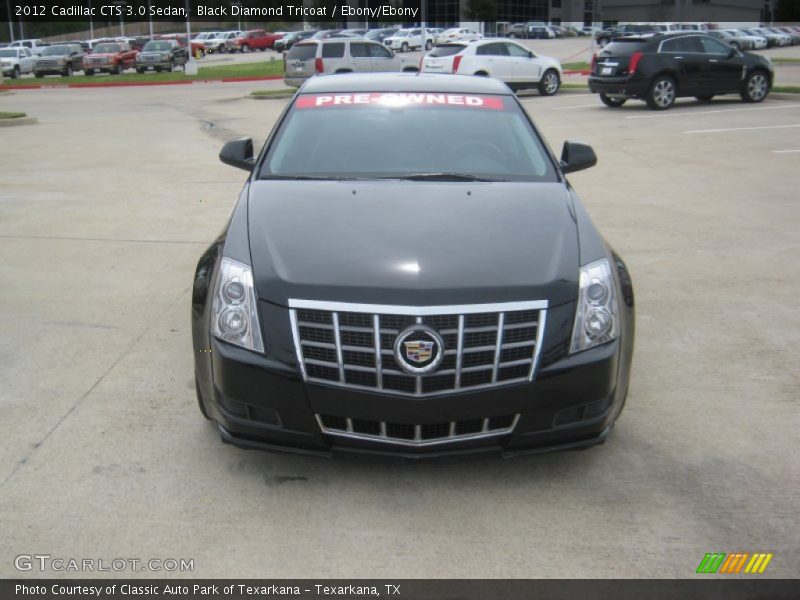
(108, 202)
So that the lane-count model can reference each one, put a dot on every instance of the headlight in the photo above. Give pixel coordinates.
(597, 315)
(234, 316)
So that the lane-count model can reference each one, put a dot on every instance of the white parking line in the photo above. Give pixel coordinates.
(741, 129)
(576, 106)
(784, 151)
(709, 112)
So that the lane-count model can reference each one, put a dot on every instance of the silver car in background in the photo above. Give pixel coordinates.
(332, 55)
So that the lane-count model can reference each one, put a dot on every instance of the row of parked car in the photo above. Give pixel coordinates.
(399, 39)
(106, 57)
(503, 59)
(746, 38)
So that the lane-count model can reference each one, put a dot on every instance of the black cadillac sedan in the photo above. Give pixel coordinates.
(660, 68)
(408, 272)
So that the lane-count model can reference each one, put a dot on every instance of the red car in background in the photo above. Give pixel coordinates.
(110, 57)
(256, 39)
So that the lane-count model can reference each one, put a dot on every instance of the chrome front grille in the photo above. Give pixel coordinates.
(351, 345)
(417, 435)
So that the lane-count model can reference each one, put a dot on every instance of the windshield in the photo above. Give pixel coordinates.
(56, 50)
(8, 53)
(402, 33)
(396, 135)
(107, 49)
(157, 47)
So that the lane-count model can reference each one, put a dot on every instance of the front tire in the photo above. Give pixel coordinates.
(245, 49)
(120, 69)
(428, 45)
(612, 101)
(404, 47)
(67, 72)
(662, 93)
(756, 87)
(550, 83)
(140, 71)
(16, 74)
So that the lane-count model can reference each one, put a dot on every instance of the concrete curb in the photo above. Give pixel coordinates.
(784, 96)
(273, 97)
(142, 83)
(18, 121)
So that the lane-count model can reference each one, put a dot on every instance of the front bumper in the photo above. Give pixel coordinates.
(49, 70)
(619, 86)
(262, 404)
(100, 67)
(162, 63)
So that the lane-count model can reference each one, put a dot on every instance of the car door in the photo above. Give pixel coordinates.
(685, 55)
(490, 58)
(724, 67)
(525, 65)
(26, 60)
(360, 59)
(382, 59)
(76, 59)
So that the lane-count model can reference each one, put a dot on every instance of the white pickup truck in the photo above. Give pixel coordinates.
(16, 62)
(34, 45)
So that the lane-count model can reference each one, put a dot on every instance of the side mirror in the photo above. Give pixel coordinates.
(239, 154)
(576, 157)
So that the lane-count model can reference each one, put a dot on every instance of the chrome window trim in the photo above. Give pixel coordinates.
(417, 442)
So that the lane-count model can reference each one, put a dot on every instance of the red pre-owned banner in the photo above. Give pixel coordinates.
(394, 99)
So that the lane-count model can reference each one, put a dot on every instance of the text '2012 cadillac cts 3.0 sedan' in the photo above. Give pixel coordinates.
(408, 272)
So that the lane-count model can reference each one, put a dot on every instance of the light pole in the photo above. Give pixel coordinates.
(10, 23)
(91, 23)
(190, 68)
(149, 19)
(238, 4)
(423, 20)
(122, 4)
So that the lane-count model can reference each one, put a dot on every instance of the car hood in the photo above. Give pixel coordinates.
(102, 55)
(412, 243)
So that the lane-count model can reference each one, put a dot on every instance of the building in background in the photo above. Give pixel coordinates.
(484, 14)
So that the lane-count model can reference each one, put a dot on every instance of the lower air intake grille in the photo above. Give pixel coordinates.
(416, 435)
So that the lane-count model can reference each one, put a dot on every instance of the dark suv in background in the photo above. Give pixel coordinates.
(660, 68)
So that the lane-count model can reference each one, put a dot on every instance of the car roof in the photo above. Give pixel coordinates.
(404, 82)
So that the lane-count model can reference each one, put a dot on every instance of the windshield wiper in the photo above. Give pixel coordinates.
(440, 177)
